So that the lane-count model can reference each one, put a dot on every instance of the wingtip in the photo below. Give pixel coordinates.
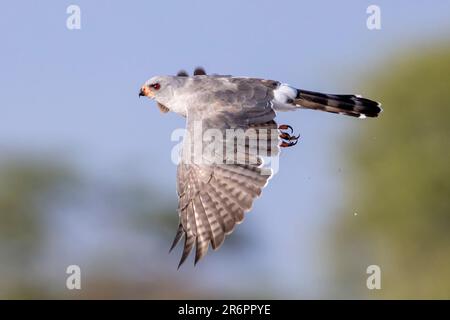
(174, 244)
(183, 258)
(200, 251)
(177, 238)
(188, 243)
(197, 259)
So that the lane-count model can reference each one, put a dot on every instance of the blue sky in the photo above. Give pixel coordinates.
(74, 93)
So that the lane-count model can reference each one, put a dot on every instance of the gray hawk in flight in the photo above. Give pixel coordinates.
(215, 192)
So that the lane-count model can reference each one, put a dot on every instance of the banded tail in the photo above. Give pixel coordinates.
(350, 105)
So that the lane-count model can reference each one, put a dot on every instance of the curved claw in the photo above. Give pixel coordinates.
(285, 144)
(287, 139)
(285, 127)
(286, 136)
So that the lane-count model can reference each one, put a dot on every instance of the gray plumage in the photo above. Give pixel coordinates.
(215, 193)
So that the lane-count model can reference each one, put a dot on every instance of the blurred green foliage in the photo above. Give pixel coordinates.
(28, 187)
(38, 194)
(401, 185)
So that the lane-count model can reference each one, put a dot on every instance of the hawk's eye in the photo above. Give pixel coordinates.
(155, 86)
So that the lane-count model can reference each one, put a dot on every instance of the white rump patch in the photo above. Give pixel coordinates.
(284, 93)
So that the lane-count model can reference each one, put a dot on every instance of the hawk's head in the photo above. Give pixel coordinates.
(157, 87)
(161, 89)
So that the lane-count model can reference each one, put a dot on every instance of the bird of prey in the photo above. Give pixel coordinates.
(215, 192)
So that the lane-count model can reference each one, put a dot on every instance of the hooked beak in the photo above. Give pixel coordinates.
(146, 92)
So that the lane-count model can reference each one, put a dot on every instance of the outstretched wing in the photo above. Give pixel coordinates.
(216, 189)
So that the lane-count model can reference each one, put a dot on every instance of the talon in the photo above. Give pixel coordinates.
(288, 144)
(285, 136)
(288, 140)
(285, 127)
